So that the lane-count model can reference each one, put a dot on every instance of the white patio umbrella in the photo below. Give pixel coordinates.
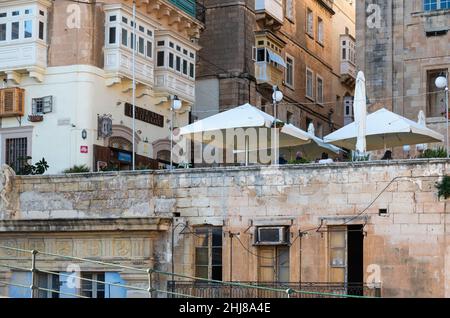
(318, 146)
(360, 113)
(385, 129)
(245, 116)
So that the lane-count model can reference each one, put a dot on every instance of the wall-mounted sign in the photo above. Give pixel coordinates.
(123, 156)
(144, 115)
(84, 149)
(104, 126)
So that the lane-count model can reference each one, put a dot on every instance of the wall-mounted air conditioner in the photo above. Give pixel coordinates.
(272, 235)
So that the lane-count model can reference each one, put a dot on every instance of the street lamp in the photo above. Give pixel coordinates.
(174, 106)
(277, 97)
(442, 83)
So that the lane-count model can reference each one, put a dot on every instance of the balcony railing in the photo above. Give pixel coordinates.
(274, 290)
(188, 6)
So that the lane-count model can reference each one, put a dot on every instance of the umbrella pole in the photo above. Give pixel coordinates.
(246, 151)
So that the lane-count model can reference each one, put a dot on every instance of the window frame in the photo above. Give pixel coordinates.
(311, 97)
(209, 231)
(320, 100)
(292, 69)
(320, 31)
(309, 22)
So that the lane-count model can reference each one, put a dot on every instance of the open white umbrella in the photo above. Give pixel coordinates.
(385, 129)
(246, 116)
(360, 113)
(315, 149)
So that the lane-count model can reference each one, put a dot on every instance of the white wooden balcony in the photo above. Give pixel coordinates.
(270, 10)
(168, 82)
(119, 66)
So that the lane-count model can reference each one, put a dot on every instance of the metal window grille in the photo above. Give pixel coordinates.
(16, 151)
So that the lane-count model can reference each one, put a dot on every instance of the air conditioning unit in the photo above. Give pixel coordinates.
(12, 102)
(273, 235)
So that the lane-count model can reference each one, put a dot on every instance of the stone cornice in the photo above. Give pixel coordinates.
(85, 225)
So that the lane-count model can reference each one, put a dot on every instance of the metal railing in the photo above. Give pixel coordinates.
(274, 290)
(188, 287)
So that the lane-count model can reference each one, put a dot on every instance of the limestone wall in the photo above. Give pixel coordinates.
(408, 245)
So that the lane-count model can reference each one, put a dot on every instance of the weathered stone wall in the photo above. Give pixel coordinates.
(409, 244)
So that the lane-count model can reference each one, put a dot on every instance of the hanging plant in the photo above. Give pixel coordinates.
(443, 187)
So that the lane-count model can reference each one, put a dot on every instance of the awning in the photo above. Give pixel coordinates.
(276, 58)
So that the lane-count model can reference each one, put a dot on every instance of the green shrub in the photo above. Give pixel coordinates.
(298, 162)
(29, 169)
(434, 153)
(443, 187)
(77, 169)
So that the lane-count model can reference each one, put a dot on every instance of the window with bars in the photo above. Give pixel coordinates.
(208, 252)
(16, 153)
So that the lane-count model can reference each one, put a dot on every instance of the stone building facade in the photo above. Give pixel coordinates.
(249, 46)
(376, 222)
(402, 47)
(66, 80)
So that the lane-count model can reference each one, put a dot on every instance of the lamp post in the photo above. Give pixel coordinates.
(174, 106)
(277, 97)
(442, 83)
(134, 85)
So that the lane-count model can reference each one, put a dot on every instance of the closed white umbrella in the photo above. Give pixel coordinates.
(422, 121)
(246, 116)
(360, 113)
(385, 129)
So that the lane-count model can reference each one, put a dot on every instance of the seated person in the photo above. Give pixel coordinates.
(281, 160)
(298, 156)
(325, 159)
(387, 155)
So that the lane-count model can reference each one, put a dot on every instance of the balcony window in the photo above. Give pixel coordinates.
(191, 70)
(141, 47)
(28, 29)
(21, 25)
(185, 67)
(149, 49)
(273, 265)
(171, 59)
(178, 64)
(41, 30)
(112, 35)
(3, 32)
(160, 59)
(431, 5)
(133, 38)
(15, 31)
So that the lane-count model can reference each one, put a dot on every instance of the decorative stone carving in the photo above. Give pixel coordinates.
(6, 176)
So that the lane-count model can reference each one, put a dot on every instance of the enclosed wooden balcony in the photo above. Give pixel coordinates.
(12, 102)
(269, 12)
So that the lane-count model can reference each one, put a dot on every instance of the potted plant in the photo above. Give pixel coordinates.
(35, 118)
